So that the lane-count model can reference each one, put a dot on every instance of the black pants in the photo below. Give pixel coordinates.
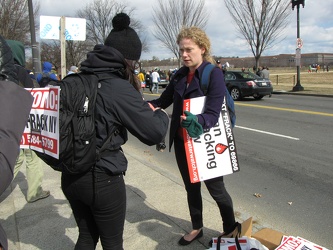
(215, 187)
(98, 201)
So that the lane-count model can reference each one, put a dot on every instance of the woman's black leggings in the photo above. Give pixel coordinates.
(98, 201)
(215, 187)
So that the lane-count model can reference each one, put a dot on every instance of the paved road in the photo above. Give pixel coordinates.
(286, 156)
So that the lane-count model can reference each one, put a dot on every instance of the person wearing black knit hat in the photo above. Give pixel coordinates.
(124, 38)
(98, 197)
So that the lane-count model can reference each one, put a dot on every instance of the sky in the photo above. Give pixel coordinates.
(316, 27)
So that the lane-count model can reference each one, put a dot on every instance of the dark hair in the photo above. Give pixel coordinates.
(130, 75)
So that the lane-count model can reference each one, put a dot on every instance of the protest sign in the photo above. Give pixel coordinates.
(41, 132)
(298, 243)
(214, 153)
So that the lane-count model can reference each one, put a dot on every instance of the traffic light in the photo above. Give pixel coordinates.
(296, 3)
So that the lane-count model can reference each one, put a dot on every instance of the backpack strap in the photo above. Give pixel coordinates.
(205, 77)
(99, 77)
(204, 84)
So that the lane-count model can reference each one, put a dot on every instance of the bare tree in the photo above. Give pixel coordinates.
(76, 52)
(171, 15)
(260, 22)
(14, 20)
(99, 15)
(50, 52)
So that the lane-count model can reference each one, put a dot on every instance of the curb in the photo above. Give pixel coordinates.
(283, 92)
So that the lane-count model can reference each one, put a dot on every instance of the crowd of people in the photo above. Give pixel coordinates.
(315, 67)
(120, 106)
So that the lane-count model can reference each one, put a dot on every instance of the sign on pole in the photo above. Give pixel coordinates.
(75, 28)
(63, 28)
(298, 57)
(299, 43)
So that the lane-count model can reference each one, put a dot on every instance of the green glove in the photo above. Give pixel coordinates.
(191, 124)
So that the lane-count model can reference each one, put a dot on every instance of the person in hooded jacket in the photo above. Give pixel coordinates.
(98, 197)
(194, 49)
(34, 165)
(17, 101)
(46, 74)
(17, 48)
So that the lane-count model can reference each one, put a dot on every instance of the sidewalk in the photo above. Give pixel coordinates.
(157, 214)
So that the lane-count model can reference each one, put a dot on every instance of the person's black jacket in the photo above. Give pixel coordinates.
(119, 105)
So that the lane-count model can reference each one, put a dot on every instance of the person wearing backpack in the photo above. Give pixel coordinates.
(194, 48)
(98, 196)
(46, 76)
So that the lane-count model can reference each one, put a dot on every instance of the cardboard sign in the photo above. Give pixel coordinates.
(41, 132)
(214, 153)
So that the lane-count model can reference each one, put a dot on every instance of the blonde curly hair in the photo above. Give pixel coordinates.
(200, 38)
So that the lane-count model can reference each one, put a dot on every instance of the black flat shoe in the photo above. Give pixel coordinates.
(184, 242)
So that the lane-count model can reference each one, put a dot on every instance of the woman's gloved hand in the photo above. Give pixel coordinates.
(191, 124)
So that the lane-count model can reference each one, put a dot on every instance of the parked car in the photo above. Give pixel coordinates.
(163, 77)
(164, 81)
(243, 84)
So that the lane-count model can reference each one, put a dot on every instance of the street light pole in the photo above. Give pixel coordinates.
(34, 45)
(298, 86)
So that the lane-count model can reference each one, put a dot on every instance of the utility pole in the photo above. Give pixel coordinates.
(34, 44)
(299, 43)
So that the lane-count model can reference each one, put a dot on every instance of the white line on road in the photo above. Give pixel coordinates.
(269, 133)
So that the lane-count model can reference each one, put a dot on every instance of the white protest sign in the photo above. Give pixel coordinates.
(75, 28)
(41, 132)
(214, 153)
(49, 27)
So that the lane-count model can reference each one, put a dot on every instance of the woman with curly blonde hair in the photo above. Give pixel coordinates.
(194, 49)
(199, 37)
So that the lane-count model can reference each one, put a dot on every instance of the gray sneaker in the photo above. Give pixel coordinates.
(43, 195)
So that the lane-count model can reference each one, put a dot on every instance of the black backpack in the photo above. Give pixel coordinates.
(45, 80)
(77, 135)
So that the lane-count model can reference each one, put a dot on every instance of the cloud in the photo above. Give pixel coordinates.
(316, 26)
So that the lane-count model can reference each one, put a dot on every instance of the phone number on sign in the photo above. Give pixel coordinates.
(43, 142)
(234, 161)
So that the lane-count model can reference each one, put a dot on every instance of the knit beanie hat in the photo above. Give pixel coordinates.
(123, 38)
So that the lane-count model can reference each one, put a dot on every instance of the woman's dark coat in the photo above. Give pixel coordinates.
(177, 91)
